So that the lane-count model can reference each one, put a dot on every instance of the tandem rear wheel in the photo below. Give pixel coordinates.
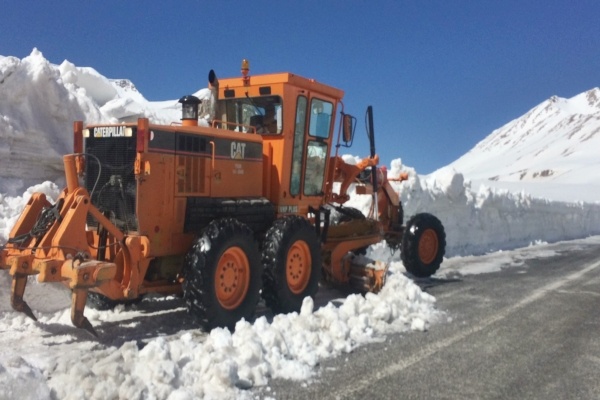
(223, 275)
(292, 260)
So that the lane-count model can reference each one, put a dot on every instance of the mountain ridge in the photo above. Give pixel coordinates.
(556, 140)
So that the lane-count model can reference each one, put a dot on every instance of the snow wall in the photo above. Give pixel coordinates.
(478, 221)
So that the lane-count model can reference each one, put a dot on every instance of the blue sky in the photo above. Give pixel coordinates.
(441, 75)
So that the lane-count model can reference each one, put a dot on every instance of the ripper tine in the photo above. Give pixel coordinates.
(16, 296)
(86, 324)
(18, 304)
(78, 300)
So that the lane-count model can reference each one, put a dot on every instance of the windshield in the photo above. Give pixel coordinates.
(263, 113)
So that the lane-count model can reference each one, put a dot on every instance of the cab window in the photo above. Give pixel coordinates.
(320, 118)
(264, 113)
(316, 154)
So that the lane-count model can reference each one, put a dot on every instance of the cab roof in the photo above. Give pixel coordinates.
(281, 78)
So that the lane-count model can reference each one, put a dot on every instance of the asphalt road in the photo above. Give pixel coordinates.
(526, 332)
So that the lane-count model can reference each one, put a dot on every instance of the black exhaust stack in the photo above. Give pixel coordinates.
(371, 135)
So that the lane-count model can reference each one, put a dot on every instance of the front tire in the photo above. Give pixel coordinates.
(223, 275)
(292, 261)
(423, 245)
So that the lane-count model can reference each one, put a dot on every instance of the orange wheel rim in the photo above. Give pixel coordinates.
(428, 246)
(298, 267)
(232, 278)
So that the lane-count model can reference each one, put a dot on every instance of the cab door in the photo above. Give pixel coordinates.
(312, 143)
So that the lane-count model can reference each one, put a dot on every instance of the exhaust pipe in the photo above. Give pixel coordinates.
(371, 135)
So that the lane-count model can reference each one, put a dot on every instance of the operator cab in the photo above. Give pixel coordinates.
(295, 117)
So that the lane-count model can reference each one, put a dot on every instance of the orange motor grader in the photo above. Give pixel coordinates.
(243, 198)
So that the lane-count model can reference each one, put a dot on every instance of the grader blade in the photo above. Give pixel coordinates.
(367, 275)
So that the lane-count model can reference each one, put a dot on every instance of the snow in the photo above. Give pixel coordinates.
(154, 351)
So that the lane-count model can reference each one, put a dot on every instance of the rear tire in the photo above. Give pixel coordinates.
(423, 245)
(223, 275)
(292, 264)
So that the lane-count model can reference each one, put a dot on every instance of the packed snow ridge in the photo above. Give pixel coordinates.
(548, 152)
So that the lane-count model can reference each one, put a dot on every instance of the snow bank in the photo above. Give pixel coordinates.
(211, 366)
(487, 219)
(37, 110)
(39, 102)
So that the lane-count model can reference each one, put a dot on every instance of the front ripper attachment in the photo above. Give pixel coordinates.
(51, 241)
(78, 300)
(56, 253)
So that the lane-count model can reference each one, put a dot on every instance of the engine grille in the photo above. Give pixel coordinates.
(110, 179)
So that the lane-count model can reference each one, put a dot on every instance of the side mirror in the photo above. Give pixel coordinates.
(348, 126)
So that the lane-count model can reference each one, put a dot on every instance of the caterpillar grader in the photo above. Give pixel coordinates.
(242, 199)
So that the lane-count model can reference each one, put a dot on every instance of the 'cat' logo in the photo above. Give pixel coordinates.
(238, 150)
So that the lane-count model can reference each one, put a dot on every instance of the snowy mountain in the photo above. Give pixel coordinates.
(555, 142)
